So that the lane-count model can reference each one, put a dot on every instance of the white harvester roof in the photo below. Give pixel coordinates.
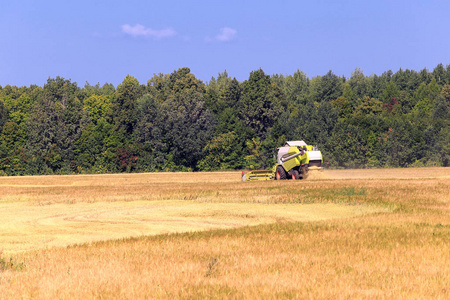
(295, 143)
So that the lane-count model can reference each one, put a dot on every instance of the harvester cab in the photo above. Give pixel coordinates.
(293, 161)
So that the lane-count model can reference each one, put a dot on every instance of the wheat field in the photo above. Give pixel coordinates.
(382, 233)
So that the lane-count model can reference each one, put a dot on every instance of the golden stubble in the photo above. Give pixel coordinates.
(401, 251)
(26, 227)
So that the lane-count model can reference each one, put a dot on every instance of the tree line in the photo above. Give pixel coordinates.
(176, 122)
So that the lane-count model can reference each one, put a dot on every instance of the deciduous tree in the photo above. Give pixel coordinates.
(261, 103)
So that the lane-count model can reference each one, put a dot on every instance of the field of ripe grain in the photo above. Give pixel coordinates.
(339, 234)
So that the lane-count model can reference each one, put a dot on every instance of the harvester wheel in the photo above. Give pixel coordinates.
(295, 175)
(280, 174)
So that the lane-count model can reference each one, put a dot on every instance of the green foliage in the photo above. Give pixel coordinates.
(398, 144)
(442, 147)
(368, 107)
(93, 147)
(178, 123)
(222, 93)
(220, 153)
(359, 84)
(349, 148)
(12, 158)
(53, 126)
(441, 109)
(326, 88)
(97, 106)
(174, 132)
(261, 103)
(123, 112)
(187, 126)
(343, 106)
(296, 88)
(255, 158)
(3, 115)
(390, 92)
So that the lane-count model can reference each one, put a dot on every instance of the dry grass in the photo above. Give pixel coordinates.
(401, 252)
(26, 227)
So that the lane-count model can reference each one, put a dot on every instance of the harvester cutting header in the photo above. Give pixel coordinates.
(294, 160)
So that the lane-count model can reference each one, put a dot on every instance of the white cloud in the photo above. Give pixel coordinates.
(226, 34)
(140, 30)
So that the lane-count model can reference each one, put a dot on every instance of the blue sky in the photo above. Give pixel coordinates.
(103, 41)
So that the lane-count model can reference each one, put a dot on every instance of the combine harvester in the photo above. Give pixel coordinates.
(294, 160)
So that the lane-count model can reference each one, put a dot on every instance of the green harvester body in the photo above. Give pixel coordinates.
(294, 160)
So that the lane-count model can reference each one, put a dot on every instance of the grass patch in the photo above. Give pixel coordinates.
(10, 263)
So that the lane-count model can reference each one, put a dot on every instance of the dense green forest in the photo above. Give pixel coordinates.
(176, 122)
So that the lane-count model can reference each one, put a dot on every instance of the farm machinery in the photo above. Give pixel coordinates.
(293, 161)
